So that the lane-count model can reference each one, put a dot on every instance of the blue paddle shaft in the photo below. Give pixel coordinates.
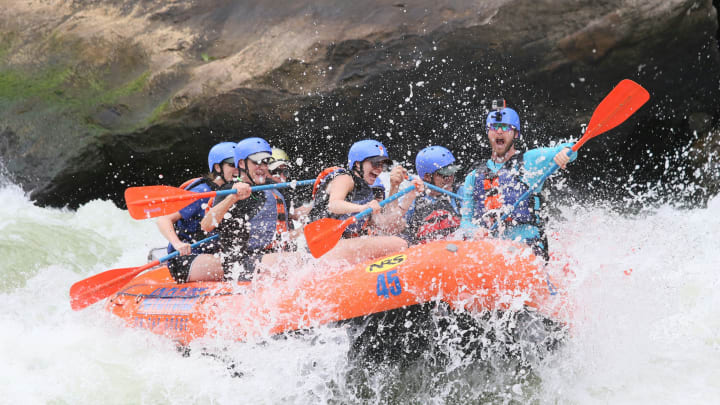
(233, 191)
(439, 189)
(548, 172)
(368, 211)
(194, 245)
(268, 187)
(442, 190)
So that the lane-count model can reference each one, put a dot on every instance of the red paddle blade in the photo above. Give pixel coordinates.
(156, 201)
(323, 234)
(622, 102)
(93, 289)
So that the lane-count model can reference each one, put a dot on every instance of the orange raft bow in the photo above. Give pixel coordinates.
(467, 275)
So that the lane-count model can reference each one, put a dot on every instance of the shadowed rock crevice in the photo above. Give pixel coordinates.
(102, 94)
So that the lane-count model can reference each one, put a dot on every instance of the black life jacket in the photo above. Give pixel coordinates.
(360, 194)
(431, 218)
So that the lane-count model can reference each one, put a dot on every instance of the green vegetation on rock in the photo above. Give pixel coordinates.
(77, 82)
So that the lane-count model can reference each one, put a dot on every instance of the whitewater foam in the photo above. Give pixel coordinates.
(645, 321)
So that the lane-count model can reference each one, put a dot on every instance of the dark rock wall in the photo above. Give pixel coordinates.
(314, 77)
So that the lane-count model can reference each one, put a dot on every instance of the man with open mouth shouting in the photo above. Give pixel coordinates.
(497, 184)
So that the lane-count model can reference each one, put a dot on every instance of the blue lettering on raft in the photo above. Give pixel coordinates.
(551, 287)
(388, 285)
(176, 292)
(176, 323)
(167, 306)
(170, 301)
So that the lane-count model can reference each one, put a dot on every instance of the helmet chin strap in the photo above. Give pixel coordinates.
(360, 171)
(247, 173)
(219, 173)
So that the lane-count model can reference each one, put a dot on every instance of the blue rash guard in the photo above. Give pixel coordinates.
(493, 188)
(188, 226)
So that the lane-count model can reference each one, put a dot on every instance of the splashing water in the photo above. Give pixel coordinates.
(645, 324)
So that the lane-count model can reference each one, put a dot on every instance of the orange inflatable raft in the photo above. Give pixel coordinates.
(472, 276)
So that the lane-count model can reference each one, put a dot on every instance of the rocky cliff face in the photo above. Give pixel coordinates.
(98, 95)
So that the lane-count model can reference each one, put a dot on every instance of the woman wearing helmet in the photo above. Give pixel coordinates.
(250, 225)
(378, 189)
(497, 184)
(345, 192)
(433, 215)
(279, 169)
(182, 228)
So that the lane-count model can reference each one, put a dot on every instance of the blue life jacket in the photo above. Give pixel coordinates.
(493, 193)
(361, 194)
(188, 227)
(494, 184)
(269, 221)
(496, 190)
(252, 226)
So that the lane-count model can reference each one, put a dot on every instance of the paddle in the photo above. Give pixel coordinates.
(323, 234)
(155, 201)
(622, 102)
(93, 289)
(436, 188)
(442, 190)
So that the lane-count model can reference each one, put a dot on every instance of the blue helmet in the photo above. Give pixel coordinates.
(220, 152)
(506, 116)
(378, 189)
(364, 149)
(250, 146)
(431, 159)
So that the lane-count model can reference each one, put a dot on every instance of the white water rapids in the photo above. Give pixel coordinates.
(646, 324)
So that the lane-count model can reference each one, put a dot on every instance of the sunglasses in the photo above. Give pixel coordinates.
(261, 162)
(445, 177)
(378, 193)
(384, 164)
(500, 126)
(280, 172)
(229, 161)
